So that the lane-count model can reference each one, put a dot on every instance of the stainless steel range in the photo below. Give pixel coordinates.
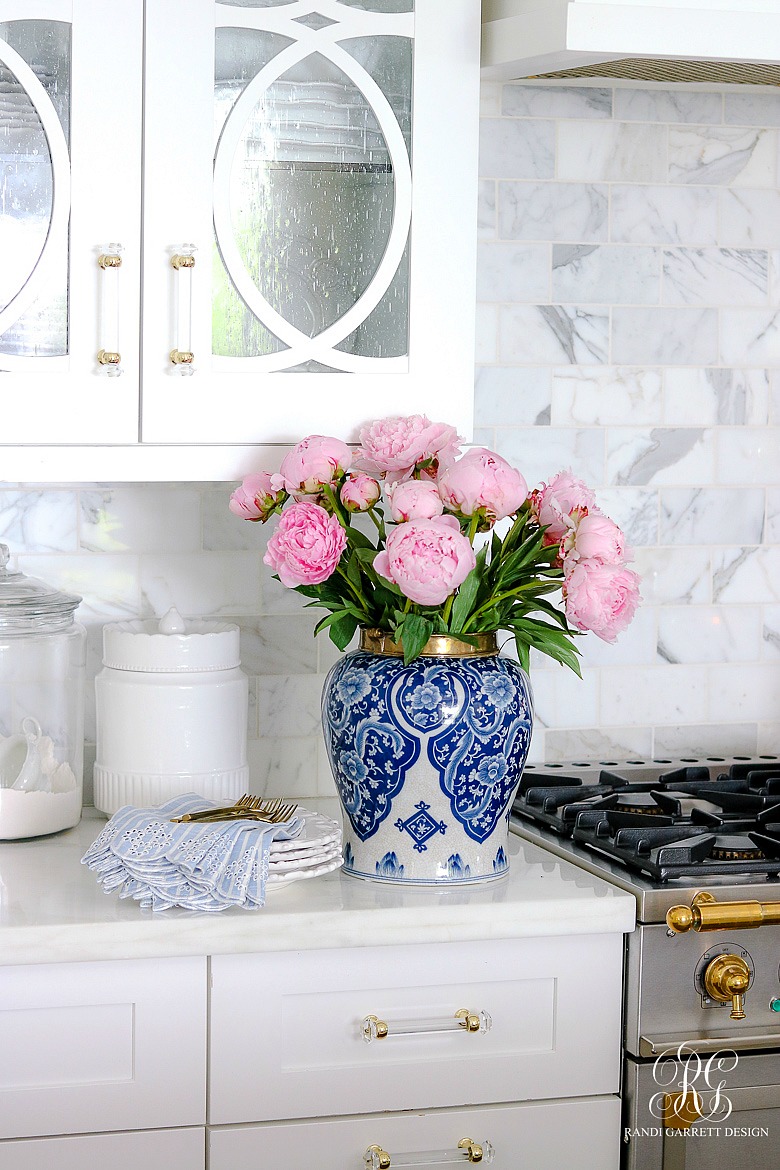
(698, 845)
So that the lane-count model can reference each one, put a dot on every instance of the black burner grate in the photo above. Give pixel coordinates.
(682, 824)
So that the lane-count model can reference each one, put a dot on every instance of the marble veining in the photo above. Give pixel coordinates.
(607, 275)
(546, 101)
(665, 215)
(550, 334)
(716, 395)
(712, 515)
(658, 455)
(698, 276)
(671, 105)
(722, 156)
(553, 211)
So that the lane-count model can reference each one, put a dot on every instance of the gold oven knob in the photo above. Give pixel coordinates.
(726, 978)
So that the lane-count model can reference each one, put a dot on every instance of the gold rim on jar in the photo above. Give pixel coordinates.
(438, 645)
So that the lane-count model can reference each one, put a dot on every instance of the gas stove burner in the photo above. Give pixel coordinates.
(639, 804)
(735, 848)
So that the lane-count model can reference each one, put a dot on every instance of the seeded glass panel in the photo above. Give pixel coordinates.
(26, 187)
(312, 194)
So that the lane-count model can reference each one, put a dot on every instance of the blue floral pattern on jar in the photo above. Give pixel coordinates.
(458, 729)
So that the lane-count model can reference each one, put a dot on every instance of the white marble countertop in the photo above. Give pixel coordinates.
(52, 909)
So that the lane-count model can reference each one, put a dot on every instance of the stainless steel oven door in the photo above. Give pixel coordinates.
(739, 1124)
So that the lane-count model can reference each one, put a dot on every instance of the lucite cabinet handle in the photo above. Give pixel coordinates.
(475, 1022)
(183, 262)
(375, 1158)
(108, 356)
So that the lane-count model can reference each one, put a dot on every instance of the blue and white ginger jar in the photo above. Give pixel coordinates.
(427, 758)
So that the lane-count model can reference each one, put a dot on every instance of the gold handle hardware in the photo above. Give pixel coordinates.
(181, 357)
(682, 1110)
(182, 261)
(704, 913)
(375, 1158)
(374, 1028)
(473, 1151)
(468, 1020)
(109, 358)
(726, 978)
(474, 1022)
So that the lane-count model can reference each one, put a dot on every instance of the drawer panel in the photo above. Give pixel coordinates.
(541, 1136)
(162, 1149)
(286, 1034)
(86, 1047)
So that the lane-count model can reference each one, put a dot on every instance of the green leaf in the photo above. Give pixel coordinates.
(359, 539)
(464, 601)
(523, 653)
(343, 629)
(416, 632)
(353, 572)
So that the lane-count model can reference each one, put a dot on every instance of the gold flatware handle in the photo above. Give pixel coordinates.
(273, 812)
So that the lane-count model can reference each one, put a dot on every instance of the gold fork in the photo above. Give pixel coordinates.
(277, 817)
(246, 806)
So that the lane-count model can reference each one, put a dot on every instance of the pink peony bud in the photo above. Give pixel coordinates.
(397, 445)
(415, 499)
(482, 482)
(600, 598)
(313, 463)
(257, 496)
(553, 504)
(307, 545)
(427, 559)
(359, 492)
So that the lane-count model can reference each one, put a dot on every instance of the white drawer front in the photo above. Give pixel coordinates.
(86, 1047)
(162, 1149)
(545, 1136)
(286, 1028)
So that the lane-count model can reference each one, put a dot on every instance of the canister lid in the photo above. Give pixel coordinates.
(172, 645)
(23, 597)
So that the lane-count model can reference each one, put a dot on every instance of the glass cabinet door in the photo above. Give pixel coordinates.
(310, 178)
(69, 186)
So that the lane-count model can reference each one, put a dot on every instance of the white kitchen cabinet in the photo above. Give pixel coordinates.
(302, 1052)
(70, 152)
(161, 1149)
(86, 1047)
(315, 159)
(547, 1135)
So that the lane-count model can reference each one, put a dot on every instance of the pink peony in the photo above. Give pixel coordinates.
(482, 482)
(257, 496)
(415, 499)
(595, 538)
(306, 546)
(359, 492)
(396, 445)
(554, 503)
(600, 598)
(427, 559)
(314, 462)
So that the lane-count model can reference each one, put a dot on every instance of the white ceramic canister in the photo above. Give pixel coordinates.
(171, 713)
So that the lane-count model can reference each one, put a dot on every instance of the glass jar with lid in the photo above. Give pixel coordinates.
(42, 667)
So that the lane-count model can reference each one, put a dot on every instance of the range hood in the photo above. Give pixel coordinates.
(671, 41)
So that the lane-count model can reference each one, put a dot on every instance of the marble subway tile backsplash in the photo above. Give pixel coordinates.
(628, 327)
(652, 370)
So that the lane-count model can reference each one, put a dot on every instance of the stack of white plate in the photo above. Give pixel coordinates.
(316, 850)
